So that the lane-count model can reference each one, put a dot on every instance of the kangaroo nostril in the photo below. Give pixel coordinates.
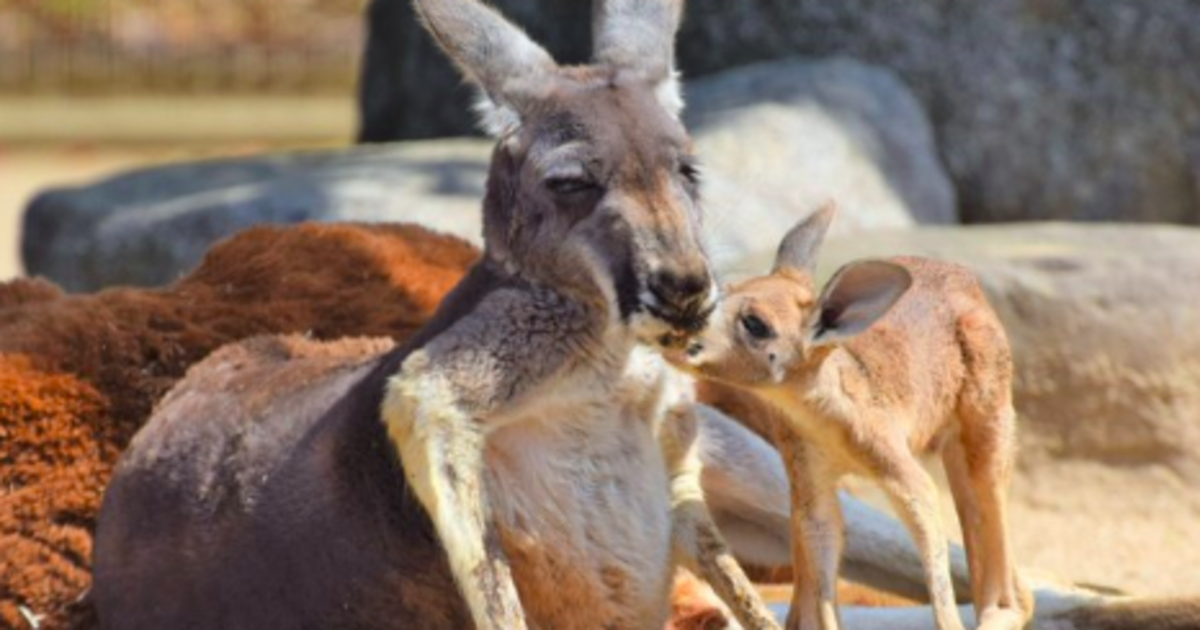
(683, 291)
(694, 349)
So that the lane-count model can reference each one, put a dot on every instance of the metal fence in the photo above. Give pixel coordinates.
(179, 46)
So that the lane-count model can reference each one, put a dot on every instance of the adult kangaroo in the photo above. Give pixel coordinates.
(508, 467)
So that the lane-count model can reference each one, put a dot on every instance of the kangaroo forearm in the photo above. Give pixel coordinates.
(511, 343)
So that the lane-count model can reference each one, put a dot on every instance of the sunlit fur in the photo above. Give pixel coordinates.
(891, 360)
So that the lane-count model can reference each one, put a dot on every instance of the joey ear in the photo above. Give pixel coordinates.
(857, 296)
(798, 249)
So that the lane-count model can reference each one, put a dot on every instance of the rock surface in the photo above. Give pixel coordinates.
(1105, 327)
(149, 227)
(1044, 109)
(777, 140)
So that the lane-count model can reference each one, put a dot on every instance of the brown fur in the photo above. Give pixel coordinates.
(80, 373)
(333, 280)
(1140, 614)
(591, 225)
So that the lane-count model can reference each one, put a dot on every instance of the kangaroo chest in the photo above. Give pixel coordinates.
(580, 491)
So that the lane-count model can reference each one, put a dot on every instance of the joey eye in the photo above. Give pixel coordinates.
(570, 185)
(690, 172)
(756, 327)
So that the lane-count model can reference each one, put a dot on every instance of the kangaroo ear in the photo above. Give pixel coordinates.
(857, 296)
(798, 250)
(639, 36)
(510, 70)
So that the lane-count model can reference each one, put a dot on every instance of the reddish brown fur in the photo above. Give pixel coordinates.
(79, 374)
(901, 358)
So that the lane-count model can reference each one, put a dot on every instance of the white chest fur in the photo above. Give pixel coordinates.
(579, 486)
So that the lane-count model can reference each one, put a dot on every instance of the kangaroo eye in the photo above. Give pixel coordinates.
(756, 327)
(690, 172)
(569, 185)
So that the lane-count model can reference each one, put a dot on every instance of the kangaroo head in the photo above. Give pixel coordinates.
(593, 182)
(769, 328)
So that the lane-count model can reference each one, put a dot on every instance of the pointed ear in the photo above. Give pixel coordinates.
(639, 36)
(509, 68)
(857, 296)
(798, 250)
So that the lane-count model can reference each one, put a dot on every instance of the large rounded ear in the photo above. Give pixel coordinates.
(857, 296)
(639, 36)
(509, 68)
(798, 250)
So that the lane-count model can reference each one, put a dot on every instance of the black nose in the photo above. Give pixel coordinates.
(683, 299)
(679, 291)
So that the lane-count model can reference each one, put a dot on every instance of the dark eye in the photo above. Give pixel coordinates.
(690, 172)
(756, 327)
(570, 185)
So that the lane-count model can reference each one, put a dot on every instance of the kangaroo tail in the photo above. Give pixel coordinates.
(1127, 614)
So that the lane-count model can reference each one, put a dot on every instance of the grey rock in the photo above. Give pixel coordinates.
(150, 226)
(778, 139)
(1043, 109)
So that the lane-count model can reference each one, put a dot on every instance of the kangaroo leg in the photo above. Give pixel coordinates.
(817, 530)
(955, 460)
(695, 536)
(1001, 601)
(746, 490)
(441, 448)
(914, 496)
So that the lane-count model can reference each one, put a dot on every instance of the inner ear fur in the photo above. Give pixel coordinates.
(798, 250)
(857, 296)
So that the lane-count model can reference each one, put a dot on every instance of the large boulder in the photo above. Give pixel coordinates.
(1105, 327)
(1049, 109)
(777, 139)
(149, 227)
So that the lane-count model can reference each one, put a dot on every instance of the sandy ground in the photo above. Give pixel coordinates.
(1132, 531)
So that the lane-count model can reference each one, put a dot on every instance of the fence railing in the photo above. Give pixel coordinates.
(179, 46)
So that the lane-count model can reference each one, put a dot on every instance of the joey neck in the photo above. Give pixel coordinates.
(805, 387)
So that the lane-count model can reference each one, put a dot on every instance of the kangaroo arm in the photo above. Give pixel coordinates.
(746, 488)
(438, 410)
(695, 537)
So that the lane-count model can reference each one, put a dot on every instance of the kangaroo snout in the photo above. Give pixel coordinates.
(682, 299)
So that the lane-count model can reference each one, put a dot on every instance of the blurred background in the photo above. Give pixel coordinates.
(91, 87)
(1052, 145)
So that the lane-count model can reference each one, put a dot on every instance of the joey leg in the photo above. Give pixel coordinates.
(914, 496)
(817, 539)
(967, 506)
(1003, 602)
